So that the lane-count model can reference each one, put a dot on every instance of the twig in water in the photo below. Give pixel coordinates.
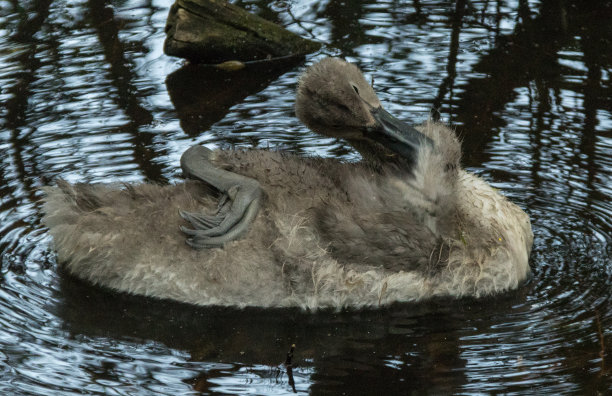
(602, 351)
(289, 368)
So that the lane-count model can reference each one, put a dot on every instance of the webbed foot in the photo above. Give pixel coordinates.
(237, 207)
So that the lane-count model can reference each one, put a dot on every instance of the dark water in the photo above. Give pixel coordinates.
(86, 95)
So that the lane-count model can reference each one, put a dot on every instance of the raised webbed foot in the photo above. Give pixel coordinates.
(237, 208)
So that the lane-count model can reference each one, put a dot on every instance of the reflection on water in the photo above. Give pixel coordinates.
(87, 94)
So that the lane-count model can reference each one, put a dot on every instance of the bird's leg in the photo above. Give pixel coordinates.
(237, 208)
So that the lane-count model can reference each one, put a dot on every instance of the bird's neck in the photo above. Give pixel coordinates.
(378, 157)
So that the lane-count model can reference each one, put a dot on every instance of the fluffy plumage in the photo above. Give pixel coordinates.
(328, 234)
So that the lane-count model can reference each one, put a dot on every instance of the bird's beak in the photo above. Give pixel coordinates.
(396, 135)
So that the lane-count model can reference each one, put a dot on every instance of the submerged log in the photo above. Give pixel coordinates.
(214, 31)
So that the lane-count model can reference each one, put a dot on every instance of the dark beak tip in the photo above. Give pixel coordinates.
(395, 134)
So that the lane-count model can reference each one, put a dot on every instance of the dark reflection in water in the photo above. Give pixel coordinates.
(203, 95)
(87, 94)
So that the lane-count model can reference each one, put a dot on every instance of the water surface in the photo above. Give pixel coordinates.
(87, 95)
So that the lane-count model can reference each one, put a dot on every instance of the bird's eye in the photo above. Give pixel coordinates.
(356, 90)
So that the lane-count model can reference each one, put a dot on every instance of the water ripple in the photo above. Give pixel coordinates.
(89, 106)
